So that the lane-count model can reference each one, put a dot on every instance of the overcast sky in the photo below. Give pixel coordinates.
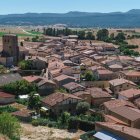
(62, 6)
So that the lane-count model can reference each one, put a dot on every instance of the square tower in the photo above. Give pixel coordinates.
(10, 47)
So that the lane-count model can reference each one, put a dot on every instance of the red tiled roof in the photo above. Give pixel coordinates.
(121, 81)
(126, 112)
(98, 93)
(56, 98)
(112, 119)
(130, 93)
(72, 85)
(104, 72)
(62, 77)
(116, 103)
(22, 113)
(5, 95)
(132, 73)
(31, 78)
(120, 128)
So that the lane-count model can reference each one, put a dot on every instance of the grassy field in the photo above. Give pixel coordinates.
(21, 34)
(19, 31)
(34, 33)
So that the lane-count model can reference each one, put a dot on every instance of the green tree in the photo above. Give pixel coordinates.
(35, 39)
(112, 36)
(64, 119)
(34, 101)
(120, 37)
(21, 87)
(82, 107)
(73, 123)
(81, 35)
(25, 64)
(102, 34)
(90, 36)
(9, 126)
(89, 76)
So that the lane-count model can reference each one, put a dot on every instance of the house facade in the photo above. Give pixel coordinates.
(61, 102)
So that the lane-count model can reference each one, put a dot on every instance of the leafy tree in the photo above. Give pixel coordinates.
(25, 64)
(9, 126)
(19, 87)
(73, 123)
(120, 37)
(112, 36)
(35, 39)
(81, 35)
(90, 36)
(64, 119)
(82, 107)
(102, 34)
(89, 76)
(34, 101)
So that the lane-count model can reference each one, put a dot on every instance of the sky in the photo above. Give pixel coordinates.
(63, 6)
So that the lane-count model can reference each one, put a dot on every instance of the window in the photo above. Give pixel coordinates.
(70, 102)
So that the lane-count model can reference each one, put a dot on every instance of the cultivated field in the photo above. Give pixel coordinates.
(21, 32)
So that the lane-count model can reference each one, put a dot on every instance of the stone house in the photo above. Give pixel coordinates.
(38, 63)
(46, 87)
(116, 131)
(129, 95)
(104, 74)
(73, 87)
(63, 79)
(128, 115)
(133, 76)
(118, 85)
(94, 96)
(60, 102)
(106, 106)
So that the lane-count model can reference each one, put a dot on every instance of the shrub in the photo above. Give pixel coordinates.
(9, 126)
(8, 109)
(35, 122)
(73, 123)
(43, 122)
(21, 87)
(86, 125)
(52, 124)
(82, 107)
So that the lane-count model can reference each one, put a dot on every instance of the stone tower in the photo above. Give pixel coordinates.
(10, 47)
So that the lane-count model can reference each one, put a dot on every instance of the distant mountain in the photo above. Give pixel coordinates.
(129, 19)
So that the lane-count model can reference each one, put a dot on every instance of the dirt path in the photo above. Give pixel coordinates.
(25, 31)
(44, 133)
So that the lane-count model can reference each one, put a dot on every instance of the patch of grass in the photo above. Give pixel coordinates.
(20, 35)
(8, 109)
(34, 32)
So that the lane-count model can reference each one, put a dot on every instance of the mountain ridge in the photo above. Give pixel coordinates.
(127, 19)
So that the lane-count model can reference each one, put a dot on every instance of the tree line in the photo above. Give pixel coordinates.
(83, 35)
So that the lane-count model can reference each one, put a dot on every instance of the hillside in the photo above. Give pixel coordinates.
(76, 19)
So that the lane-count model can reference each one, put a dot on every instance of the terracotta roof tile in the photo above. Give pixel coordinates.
(56, 98)
(120, 128)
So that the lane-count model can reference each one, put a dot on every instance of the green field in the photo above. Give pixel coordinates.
(34, 32)
(23, 34)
